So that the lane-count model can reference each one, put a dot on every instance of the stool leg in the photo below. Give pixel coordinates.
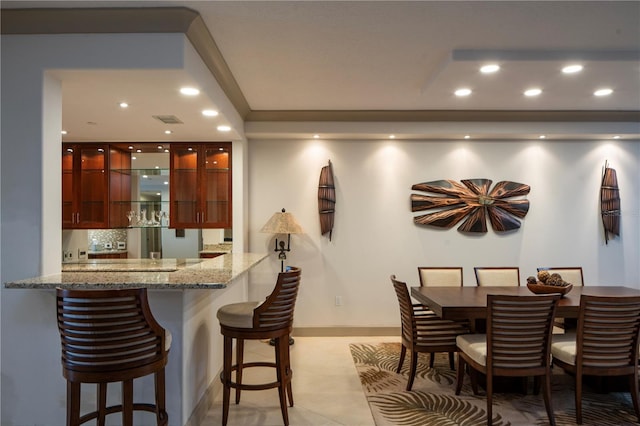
(239, 362)
(162, 418)
(282, 346)
(226, 378)
(73, 403)
(289, 373)
(127, 403)
(102, 403)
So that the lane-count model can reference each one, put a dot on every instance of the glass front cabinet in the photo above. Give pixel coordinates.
(200, 185)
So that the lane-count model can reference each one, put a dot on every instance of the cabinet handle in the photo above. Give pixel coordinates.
(197, 217)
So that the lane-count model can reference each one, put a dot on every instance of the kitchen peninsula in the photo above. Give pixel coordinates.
(184, 295)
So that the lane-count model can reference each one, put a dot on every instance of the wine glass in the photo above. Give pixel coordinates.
(130, 215)
(158, 215)
(143, 217)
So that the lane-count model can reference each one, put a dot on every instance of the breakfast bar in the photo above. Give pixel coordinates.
(184, 295)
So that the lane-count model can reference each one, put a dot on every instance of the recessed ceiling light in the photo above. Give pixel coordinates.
(467, 137)
(316, 136)
(489, 68)
(130, 147)
(616, 137)
(392, 136)
(571, 69)
(189, 91)
(166, 150)
(463, 92)
(123, 105)
(210, 112)
(167, 132)
(158, 193)
(156, 167)
(603, 92)
(223, 128)
(134, 157)
(64, 132)
(69, 149)
(160, 147)
(165, 182)
(542, 137)
(532, 92)
(138, 150)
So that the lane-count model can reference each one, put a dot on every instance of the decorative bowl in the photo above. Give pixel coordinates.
(549, 289)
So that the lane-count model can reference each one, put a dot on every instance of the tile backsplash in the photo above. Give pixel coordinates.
(106, 236)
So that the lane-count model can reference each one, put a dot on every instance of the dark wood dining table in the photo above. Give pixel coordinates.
(470, 302)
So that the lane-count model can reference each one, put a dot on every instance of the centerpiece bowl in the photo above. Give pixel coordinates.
(540, 288)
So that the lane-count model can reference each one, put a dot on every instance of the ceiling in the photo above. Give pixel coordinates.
(336, 68)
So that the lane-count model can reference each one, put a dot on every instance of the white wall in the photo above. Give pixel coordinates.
(374, 234)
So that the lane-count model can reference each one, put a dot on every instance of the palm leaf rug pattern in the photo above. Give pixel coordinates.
(433, 402)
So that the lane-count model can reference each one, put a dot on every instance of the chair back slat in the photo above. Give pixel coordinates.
(519, 331)
(103, 331)
(409, 328)
(440, 276)
(607, 335)
(277, 310)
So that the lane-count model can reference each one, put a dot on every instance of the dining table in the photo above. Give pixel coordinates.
(470, 302)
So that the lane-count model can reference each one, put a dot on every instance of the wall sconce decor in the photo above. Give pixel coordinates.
(326, 200)
(472, 200)
(610, 203)
(282, 223)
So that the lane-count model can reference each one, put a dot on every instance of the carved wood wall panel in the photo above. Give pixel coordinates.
(474, 200)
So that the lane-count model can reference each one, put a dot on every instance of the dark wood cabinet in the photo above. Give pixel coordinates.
(200, 185)
(119, 187)
(84, 186)
(89, 184)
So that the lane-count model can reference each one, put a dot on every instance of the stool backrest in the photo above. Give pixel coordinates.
(108, 333)
(276, 311)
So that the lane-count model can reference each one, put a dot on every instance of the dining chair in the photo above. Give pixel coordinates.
(517, 344)
(422, 330)
(111, 336)
(498, 276)
(572, 274)
(270, 319)
(440, 277)
(605, 344)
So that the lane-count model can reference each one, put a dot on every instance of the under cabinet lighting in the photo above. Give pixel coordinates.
(124, 105)
(463, 92)
(167, 132)
(616, 137)
(467, 137)
(64, 132)
(542, 137)
(316, 136)
(392, 136)
(130, 147)
(166, 150)
(160, 147)
(532, 92)
(223, 128)
(165, 182)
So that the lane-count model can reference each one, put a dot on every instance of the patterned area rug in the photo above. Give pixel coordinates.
(432, 401)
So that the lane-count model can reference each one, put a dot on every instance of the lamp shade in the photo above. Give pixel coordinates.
(282, 223)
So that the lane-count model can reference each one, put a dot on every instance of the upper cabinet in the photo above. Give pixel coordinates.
(88, 184)
(84, 186)
(200, 185)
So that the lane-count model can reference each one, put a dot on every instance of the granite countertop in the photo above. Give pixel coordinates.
(164, 274)
(217, 248)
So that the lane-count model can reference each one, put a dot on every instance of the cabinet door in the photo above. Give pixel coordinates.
(184, 187)
(69, 208)
(216, 187)
(93, 186)
(119, 187)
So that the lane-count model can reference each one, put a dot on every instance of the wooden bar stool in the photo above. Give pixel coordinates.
(111, 336)
(271, 319)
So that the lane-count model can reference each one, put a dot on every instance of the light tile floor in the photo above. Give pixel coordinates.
(326, 387)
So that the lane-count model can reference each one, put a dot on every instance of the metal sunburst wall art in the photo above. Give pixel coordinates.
(471, 200)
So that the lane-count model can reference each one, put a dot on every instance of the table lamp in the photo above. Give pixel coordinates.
(282, 223)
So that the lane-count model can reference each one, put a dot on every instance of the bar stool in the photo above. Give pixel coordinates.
(271, 319)
(111, 336)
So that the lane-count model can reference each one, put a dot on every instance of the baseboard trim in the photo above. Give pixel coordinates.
(205, 403)
(345, 331)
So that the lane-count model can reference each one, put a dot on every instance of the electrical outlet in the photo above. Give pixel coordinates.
(67, 256)
(82, 254)
(338, 300)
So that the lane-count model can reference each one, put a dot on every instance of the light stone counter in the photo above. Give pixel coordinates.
(172, 274)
